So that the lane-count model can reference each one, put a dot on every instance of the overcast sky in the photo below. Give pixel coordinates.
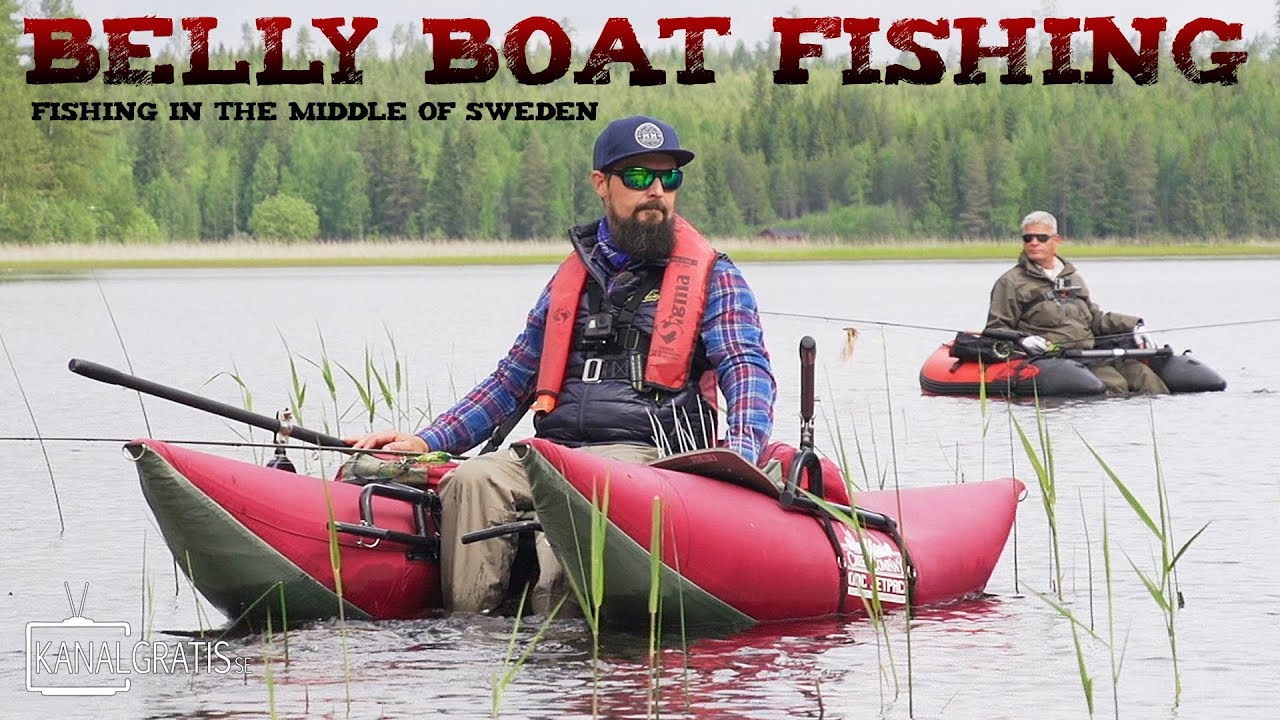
(751, 19)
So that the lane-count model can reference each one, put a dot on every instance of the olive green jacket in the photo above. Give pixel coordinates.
(1026, 300)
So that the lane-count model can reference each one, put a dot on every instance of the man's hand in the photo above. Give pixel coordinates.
(1034, 344)
(389, 440)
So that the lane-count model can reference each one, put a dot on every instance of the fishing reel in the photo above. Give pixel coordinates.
(279, 460)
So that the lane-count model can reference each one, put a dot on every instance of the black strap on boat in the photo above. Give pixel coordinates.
(862, 519)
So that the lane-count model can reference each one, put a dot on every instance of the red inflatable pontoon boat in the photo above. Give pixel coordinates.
(1057, 375)
(252, 538)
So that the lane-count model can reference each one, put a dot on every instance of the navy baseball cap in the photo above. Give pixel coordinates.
(637, 135)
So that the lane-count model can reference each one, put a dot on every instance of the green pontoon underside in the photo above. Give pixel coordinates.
(242, 576)
(566, 517)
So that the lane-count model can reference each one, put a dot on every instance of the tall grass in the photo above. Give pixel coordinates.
(1043, 464)
(1042, 461)
(513, 664)
(268, 675)
(1160, 584)
(246, 399)
(655, 606)
(53, 483)
(335, 563)
(1117, 661)
(893, 445)
(297, 387)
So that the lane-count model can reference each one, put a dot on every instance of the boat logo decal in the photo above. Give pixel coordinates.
(883, 577)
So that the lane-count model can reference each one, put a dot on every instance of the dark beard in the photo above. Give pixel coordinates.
(644, 240)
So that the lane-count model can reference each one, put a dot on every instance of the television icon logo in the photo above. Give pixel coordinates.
(78, 656)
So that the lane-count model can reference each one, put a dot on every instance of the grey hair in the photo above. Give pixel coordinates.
(1040, 217)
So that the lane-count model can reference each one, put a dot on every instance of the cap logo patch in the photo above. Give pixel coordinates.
(649, 136)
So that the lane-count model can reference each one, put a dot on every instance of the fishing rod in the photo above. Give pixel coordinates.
(211, 443)
(934, 328)
(111, 376)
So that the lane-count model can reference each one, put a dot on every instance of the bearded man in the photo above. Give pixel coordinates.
(621, 356)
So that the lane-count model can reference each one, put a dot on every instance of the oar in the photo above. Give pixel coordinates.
(111, 376)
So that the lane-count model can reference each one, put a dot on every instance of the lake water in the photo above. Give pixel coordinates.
(1008, 657)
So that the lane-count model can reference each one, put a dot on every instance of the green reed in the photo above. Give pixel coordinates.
(399, 374)
(893, 455)
(246, 400)
(1088, 555)
(1117, 662)
(268, 675)
(1077, 627)
(1042, 461)
(1161, 584)
(382, 390)
(367, 400)
(512, 664)
(335, 563)
(326, 374)
(873, 606)
(655, 605)
(297, 386)
(284, 620)
(590, 590)
(1043, 464)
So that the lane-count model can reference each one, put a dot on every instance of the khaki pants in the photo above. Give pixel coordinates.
(490, 490)
(1126, 375)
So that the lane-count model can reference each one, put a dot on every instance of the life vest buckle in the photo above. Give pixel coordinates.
(592, 370)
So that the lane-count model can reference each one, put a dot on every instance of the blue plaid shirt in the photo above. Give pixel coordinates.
(731, 333)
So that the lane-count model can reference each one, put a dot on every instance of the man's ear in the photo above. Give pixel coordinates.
(598, 181)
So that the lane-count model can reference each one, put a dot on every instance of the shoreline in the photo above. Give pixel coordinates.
(65, 257)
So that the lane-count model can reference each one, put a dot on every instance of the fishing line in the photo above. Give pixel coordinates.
(1232, 323)
(30, 412)
(856, 320)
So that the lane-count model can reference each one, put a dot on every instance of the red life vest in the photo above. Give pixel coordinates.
(677, 321)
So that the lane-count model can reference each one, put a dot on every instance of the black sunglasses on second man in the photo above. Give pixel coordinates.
(641, 178)
(1038, 237)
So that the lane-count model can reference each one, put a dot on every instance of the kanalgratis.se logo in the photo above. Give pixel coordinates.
(81, 656)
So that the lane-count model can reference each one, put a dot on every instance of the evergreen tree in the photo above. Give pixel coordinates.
(396, 189)
(531, 211)
(976, 209)
(1143, 173)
